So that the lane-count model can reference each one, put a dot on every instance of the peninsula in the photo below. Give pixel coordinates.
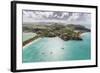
(65, 32)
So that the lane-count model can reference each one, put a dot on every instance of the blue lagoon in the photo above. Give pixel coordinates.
(55, 49)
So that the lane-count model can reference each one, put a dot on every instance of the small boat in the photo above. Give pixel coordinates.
(62, 48)
(51, 52)
(42, 53)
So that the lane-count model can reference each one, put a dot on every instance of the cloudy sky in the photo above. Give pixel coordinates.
(30, 16)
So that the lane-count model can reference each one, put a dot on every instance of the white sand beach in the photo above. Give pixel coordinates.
(31, 42)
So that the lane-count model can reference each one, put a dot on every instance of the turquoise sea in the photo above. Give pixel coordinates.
(55, 49)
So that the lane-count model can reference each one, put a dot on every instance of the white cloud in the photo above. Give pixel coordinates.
(74, 16)
(46, 14)
(43, 16)
(64, 14)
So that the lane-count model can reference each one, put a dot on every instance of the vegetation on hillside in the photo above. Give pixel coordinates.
(65, 32)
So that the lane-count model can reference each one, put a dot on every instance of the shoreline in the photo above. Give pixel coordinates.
(84, 34)
(31, 42)
(41, 38)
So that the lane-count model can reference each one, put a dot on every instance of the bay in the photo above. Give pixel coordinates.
(55, 49)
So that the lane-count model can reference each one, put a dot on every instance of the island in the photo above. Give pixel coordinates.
(63, 31)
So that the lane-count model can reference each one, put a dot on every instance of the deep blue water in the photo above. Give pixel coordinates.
(55, 49)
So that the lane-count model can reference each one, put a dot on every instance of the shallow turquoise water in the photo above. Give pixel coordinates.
(27, 36)
(55, 49)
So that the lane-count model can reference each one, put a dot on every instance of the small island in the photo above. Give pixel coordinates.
(65, 32)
